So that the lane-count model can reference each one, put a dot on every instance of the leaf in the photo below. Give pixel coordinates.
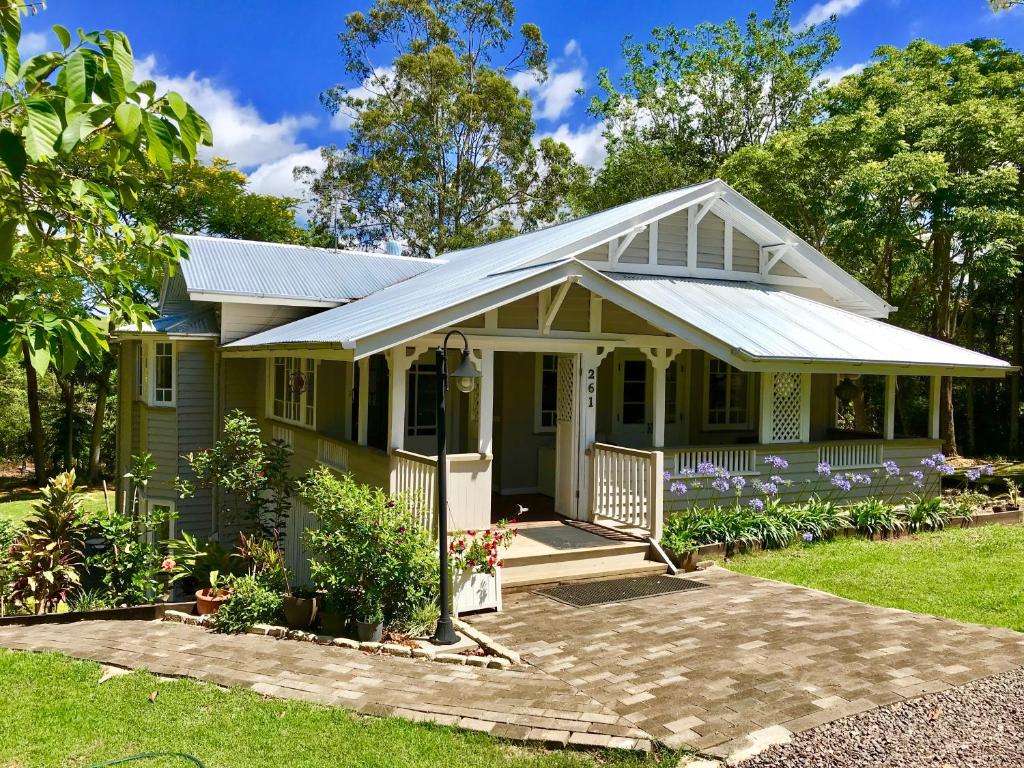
(12, 153)
(63, 35)
(76, 78)
(39, 350)
(8, 236)
(120, 63)
(177, 104)
(128, 117)
(159, 142)
(42, 130)
(10, 26)
(78, 128)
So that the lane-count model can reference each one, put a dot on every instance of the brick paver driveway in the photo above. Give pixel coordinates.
(700, 669)
(705, 668)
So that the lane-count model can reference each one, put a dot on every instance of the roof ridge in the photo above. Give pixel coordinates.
(316, 248)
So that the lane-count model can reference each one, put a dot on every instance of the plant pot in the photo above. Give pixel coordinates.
(334, 623)
(206, 605)
(476, 591)
(687, 561)
(299, 612)
(369, 632)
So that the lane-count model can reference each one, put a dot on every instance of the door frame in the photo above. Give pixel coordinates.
(568, 434)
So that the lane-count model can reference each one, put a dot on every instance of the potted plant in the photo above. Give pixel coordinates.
(476, 567)
(300, 608)
(369, 619)
(209, 599)
(335, 615)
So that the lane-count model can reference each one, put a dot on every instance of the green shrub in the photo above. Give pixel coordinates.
(728, 526)
(368, 551)
(821, 518)
(771, 528)
(252, 601)
(965, 503)
(926, 514)
(681, 531)
(874, 516)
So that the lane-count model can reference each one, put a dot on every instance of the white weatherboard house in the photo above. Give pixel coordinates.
(685, 327)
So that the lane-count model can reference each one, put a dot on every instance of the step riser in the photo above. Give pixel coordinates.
(570, 567)
(649, 568)
(569, 555)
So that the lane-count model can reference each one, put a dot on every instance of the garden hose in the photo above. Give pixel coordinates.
(150, 756)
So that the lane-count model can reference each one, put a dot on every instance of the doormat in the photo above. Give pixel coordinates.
(581, 594)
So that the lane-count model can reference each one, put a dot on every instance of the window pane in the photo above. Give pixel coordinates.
(632, 413)
(670, 393)
(163, 375)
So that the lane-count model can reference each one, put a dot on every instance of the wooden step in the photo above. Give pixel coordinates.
(512, 582)
(628, 549)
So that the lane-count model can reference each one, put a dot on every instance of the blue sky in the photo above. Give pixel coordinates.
(256, 68)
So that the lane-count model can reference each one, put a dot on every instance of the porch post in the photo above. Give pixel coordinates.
(934, 391)
(589, 362)
(364, 400)
(889, 431)
(399, 361)
(659, 364)
(485, 422)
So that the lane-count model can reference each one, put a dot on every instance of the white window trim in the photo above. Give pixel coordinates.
(169, 503)
(706, 405)
(538, 391)
(301, 422)
(139, 372)
(146, 393)
(412, 377)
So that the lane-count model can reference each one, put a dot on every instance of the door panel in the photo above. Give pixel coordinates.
(632, 399)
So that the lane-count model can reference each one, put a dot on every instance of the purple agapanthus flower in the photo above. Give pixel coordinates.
(918, 477)
(739, 482)
(776, 479)
(892, 469)
(756, 504)
(668, 475)
(842, 482)
(987, 470)
(769, 489)
(861, 479)
(776, 461)
(808, 537)
(973, 474)
(945, 469)
(824, 468)
(678, 487)
(706, 468)
(720, 484)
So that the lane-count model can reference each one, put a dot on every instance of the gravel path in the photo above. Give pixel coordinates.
(978, 725)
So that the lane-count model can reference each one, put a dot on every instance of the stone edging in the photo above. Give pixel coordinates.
(494, 659)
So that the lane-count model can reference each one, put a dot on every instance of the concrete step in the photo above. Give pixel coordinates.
(525, 577)
(626, 549)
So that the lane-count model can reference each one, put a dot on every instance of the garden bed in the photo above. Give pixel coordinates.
(148, 612)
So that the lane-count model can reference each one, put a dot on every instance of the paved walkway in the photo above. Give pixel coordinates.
(701, 669)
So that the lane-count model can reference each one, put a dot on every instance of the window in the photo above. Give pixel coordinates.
(293, 392)
(421, 405)
(727, 396)
(545, 394)
(671, 387)
(165, 530)
(163, 373)
(139, 391)
(634, 391)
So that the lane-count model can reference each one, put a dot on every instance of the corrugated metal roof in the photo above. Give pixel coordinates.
(199, 321)
(764, 323)
(274, 270)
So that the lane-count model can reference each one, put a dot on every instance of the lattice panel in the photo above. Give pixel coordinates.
(566, 387)
(786, 401)
(474, 405)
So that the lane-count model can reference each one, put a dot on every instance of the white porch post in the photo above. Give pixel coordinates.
(399, 361)
(364, 400)
(660, 359)
(889, 431)
(485, 424)
(934, 394)
(589, 362)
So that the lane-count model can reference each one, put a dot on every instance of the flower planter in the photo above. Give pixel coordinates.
(369, 632)
(299, 612)
(476, 591)
(206, 605)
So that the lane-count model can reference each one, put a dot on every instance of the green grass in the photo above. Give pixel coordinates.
(55, 714)
(17, 505)
(971, 575)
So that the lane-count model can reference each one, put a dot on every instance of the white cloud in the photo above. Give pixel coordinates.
(275, 178)
(586, 143)
(34, 43)
(833, 75)
(571, 48)
(820, 12)
(240, 133)
(555, 96)
(372, 86)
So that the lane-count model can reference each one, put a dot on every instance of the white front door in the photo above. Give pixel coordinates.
(567, 437)
(632, 399)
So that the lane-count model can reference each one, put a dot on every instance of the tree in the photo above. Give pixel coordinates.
(909, 177)
(441, 153)
(692, 97)
(69, 264)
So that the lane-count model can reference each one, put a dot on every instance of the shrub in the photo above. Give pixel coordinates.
(773, 528)
(368, 552)
(252, 601)
(821, 518)
(681, 532)
(965, 503)
(926, 514)
(874, 516)
(728, 526)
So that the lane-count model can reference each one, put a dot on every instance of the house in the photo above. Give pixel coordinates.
(614, 350)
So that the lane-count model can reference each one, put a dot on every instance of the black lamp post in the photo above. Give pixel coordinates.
(465, 379)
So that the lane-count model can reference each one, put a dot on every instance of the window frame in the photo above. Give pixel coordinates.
(538, 394)
(412, 394)
(730, 370)
(304, 408)
(139, 366)
(172, 506)
(171, 402)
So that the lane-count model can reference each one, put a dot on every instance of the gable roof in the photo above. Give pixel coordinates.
(221, 269)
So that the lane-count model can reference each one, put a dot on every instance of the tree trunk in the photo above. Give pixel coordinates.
(971, 441)
(96, 438)
(947, 426)
(35, 416)
(1017, 359)
(67, 390)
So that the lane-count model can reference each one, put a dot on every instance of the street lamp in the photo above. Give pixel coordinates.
(465, 379)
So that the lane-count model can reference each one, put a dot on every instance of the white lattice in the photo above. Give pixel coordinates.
(786, 403)
(566, 387)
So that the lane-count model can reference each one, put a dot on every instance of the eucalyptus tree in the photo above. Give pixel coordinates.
(441, 152)
(690, 98)
(69, 262)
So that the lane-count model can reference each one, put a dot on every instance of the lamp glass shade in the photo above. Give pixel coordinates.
(465, 375)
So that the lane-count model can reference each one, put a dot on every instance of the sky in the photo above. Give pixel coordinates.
(256, 68)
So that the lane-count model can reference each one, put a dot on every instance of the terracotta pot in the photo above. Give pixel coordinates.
(334, 623)
(299, 612)
(206, 605)
(369, 632)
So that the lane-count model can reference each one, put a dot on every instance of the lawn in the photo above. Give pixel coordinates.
(54, 714)
(971, 575)
(16, 505)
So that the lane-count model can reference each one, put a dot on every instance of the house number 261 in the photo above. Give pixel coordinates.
(591, 386)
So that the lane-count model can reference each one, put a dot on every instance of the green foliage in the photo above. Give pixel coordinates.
(771, 529)
(442, 152)
(821, 518)
(875, 517)
(422, 620)
(253, 477)
(192, 561)
(252, 601)
(926, 514)
(368, 551)
(48, 554)
(729, 526)
(691, 97)
(965, 503)
(129, 561)
(89, 600)
(14, 423)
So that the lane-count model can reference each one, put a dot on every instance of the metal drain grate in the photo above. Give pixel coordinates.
(584, 593)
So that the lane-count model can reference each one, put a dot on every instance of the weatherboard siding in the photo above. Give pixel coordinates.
(195, 410)
(711, 243)
(672, 240)
(240, 320)
(746, 254)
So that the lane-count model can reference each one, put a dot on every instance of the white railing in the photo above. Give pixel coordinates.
(854, 454)
(416, 476)
(628, 486)
(737, 460)
(332, 454)
(285, 434)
